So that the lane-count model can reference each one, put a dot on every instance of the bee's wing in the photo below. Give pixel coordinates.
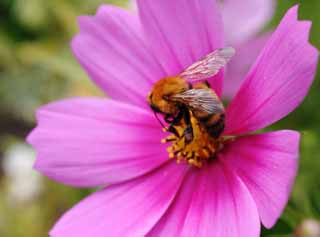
(204, 100)
(209, 66)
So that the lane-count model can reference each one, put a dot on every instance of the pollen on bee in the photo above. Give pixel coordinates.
(200, 149)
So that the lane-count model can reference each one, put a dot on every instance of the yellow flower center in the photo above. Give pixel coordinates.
(202, 147)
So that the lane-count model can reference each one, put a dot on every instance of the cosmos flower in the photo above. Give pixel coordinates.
(96, 142)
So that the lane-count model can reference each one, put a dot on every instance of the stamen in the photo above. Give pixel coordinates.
(202, 147)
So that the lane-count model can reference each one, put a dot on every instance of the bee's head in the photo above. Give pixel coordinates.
(159, 97)
(161, 104)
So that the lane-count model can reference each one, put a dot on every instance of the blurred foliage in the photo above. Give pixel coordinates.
(36, 66)
(36, 218)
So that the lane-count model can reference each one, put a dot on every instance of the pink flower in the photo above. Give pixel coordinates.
(91, 142)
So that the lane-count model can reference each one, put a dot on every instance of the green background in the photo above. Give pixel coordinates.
(36, 66)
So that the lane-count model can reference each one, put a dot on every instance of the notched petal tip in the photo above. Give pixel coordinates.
(38, 166)
(278, 81)
(293, 11)
(305, 24)
(302, 26)
(31, 137)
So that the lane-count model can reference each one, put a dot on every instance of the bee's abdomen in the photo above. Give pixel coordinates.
(214, 124)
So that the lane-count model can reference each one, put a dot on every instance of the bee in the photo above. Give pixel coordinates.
(178, 97)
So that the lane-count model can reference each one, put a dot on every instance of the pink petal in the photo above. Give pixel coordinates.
(279, 80)
(267, 164)
(111, 49)
(91, 142)
(244, 19)
(181, 32)
(212, 202)
(127, 209)
(240, 64)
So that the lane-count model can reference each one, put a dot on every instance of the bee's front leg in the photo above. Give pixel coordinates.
(174, 121)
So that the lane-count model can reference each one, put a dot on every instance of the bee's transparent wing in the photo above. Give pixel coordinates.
(209, 66)
(204, 100)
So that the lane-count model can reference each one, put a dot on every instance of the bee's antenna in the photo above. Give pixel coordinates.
(156, 115)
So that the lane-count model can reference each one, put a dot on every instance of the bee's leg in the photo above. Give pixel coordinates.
(188, 132)
(174, 121)
(173, 130)
(168, 118)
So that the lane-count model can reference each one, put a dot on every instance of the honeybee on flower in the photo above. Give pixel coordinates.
(116, 143)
